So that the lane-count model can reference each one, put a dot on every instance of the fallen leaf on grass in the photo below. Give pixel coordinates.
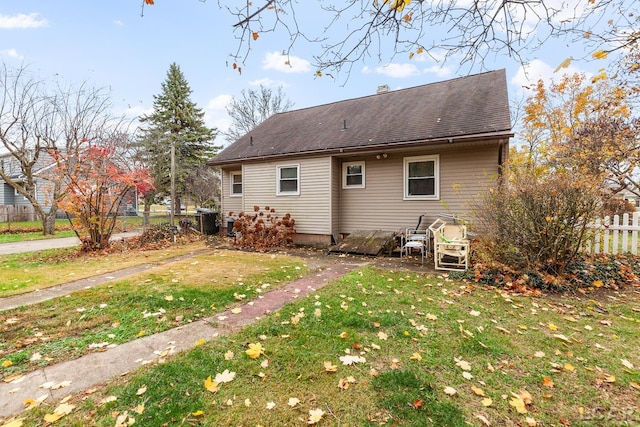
(463, 364)
(142, 390)
(31, 403)
(59, 412)
(210, 385)
(450, 391)
(255, 350)
(271, 405)
(107, 400)
(547, 382)
(626, 363)
(382, 336)
(484, 419)
(350, 359)
(7, 363)
(315, 415)
(293, 401)
(487, 402)
(519, 404)
(236, 310)
(224, 377)
(330, 367)
(13, 423)
(531, 422)
(416, 356)
(562, 338)
(139, 409)
(478, 391)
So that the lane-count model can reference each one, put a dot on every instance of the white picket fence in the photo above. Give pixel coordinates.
(614, 235)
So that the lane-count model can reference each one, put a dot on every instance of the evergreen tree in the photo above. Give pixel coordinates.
(176, 119)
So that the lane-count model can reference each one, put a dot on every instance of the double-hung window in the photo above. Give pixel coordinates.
(421, 178)
(353, 175)
(236, 183)
(288, 180)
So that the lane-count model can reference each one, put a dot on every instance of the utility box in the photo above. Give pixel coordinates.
(230, 232)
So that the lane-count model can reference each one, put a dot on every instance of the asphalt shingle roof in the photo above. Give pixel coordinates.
(465, 106)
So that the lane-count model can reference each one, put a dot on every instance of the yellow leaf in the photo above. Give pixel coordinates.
(563, 64)
(518, 403)
(547, 382)
(141, 390)
(330, 367)
(168, 297)
(141, 333)
(210, 385)
(598, 283)
(139, 409)
(601, 54)
(197, 413)
(293, 401)
(318, 73)
(52, 418)
(531, 422)
(199, 342)
(487, 401)
(569, 367)
(416, 356)
(315, 415)
(7, 363)
(13, 423)
(411, 54)
(552, 327)
(255, 350)
(478, 391)
(236, 310)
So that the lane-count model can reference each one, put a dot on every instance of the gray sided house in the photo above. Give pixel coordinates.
(9, 197)
(373, 163)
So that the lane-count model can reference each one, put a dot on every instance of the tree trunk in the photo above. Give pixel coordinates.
(49, 221)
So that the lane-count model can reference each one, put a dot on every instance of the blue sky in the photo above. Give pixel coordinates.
(108, 44)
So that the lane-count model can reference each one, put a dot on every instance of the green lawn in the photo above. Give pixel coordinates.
(392, 348)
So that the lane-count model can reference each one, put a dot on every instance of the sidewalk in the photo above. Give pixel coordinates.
(54, 243)
(97, 368)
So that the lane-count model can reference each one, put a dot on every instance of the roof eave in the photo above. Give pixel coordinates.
(505, 134)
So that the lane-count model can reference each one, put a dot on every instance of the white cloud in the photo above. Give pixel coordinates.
(285, 63)
(215, 113)
(529, 74)
(21, 21)
(11, 53)
(394, 70)
(118, 23)
(438, 70)
(267, 82)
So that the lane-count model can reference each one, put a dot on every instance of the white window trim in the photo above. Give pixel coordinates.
(436, 171)
(18, 194)
(231, 175)
(344, 174)
(287, 193)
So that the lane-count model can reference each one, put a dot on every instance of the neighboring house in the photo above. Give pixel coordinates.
(9, 196)
(376, 162)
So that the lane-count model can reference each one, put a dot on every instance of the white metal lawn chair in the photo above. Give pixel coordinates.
(416, 239)
(450, 246)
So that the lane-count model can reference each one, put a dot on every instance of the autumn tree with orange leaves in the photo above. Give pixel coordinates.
(97, 181)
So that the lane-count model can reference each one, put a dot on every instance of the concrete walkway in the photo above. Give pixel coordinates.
(54, 243)
(97, 368)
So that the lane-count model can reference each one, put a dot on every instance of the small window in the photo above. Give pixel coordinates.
(353, 175)
(421, 178)
(288, 180)
(236, 183)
